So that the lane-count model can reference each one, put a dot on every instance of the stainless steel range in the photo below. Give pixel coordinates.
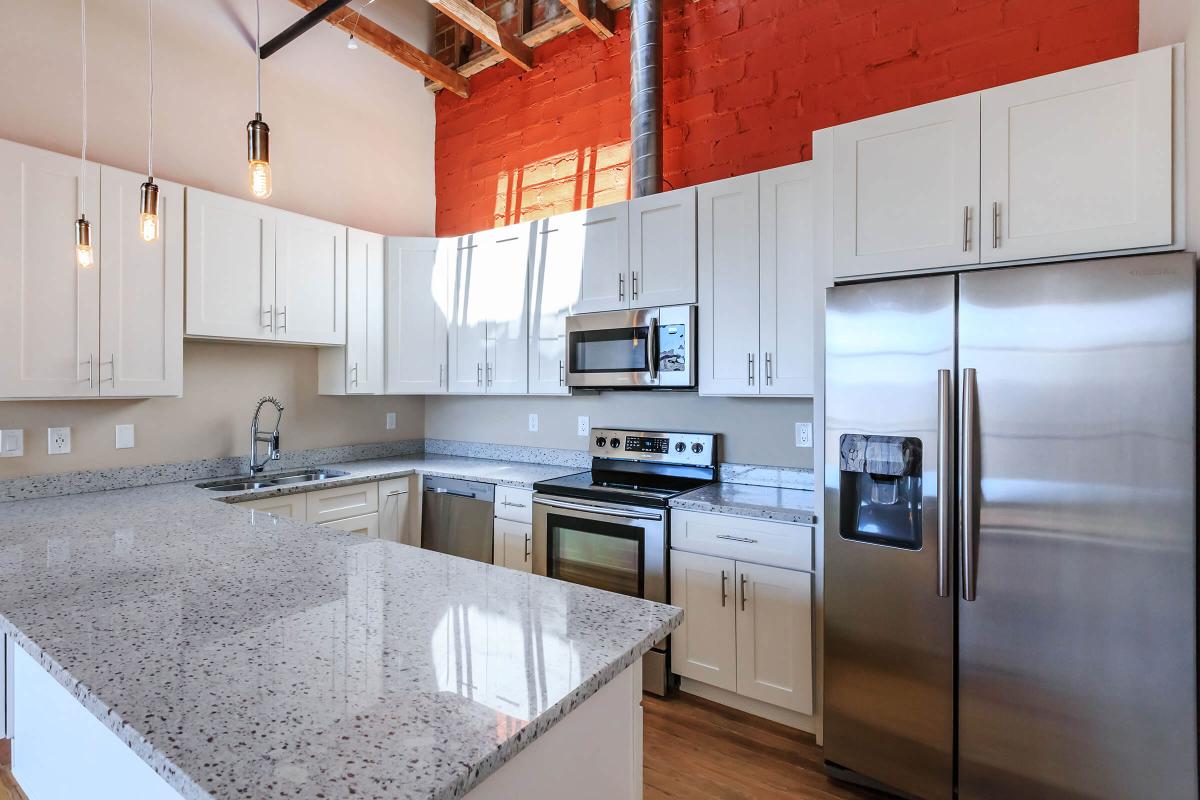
(610, 527)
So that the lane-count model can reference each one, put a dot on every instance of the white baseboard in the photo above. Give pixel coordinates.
(784, 716)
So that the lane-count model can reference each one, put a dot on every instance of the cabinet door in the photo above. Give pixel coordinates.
(365, 525)
(662, 249)
(230, 267)
(704, 647)
(729, 286)
(468, 326)
(592, 248)
(787, 280)
(418, 310)
(1079, 161)
(552, 292)
(513, 545)
(906, 189)
(310, 281)
(342, 502)
(51, 321)
(364, 356)
(394, 511)
(141, 291)
(774, 636)
(504, 283)
(292, 506)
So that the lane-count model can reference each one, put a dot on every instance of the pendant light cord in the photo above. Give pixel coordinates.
(258, 55)
(83, 107)
(150, 143)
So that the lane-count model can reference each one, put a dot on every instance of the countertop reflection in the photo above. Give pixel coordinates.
(235, 650)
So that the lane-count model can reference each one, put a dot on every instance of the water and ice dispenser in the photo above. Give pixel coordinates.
(881, 490)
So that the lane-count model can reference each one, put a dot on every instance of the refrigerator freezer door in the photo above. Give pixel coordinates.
(889, 636)
(1077, 659)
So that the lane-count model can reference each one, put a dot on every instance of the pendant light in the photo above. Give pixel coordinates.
(258, 151)
(83, 228)
(148, 220)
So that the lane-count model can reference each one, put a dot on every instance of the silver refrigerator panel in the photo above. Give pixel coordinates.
(889, 636)
(1077, 657)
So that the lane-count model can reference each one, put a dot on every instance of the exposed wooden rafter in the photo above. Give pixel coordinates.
(594, 14)
(309, 21)
(390, 44)
(478, 22)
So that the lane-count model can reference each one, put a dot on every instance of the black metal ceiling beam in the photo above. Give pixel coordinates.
(309, 20)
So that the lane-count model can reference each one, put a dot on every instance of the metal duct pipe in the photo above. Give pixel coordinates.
(645, 95)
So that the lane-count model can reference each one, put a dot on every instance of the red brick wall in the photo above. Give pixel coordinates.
(746, 83)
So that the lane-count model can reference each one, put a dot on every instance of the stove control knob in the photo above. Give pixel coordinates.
(697, 448)
(600, 441)
(680, 447)
(614, 442)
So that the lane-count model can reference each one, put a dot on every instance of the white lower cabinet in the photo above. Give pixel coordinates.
(292, 506)
(513, 545)
(398, 507)
(364, 525)
(340, 502)
(704, 647)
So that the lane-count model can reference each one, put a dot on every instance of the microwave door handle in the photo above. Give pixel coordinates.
(652, 347)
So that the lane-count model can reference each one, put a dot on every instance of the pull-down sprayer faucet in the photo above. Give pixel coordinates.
(272, 438)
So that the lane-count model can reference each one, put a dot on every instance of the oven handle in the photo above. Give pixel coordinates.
(611, 512)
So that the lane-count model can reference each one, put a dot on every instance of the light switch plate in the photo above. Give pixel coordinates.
(124, 437)
(584, 427)
(58, 441)
(12, 443)
(391, 420)
(804, 434)
(533, 423)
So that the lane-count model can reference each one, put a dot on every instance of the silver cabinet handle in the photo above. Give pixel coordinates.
(354, 371)
(750, 368)
(90, 361)
(724, 593)
(995, 225)
(562, 373)
(282, 318)
(967, 229)
(945, 482)
(112, 369)
(620, 286)
(489, 373)
(269, 313)
(730, 538)
(441, 367)
(528, 547)
(478, 374)
(394, 494)
(767, 366)
(743, 583)
(634, 279)
(970, 455)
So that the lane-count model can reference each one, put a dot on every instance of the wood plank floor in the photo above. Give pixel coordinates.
(698, 749)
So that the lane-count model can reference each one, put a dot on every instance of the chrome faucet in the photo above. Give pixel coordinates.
(272, 438)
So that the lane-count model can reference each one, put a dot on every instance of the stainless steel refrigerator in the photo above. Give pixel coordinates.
(1010, 540)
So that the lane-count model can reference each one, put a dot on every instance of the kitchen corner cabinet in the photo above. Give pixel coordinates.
(258, 273)
(756, 286)
(114, 330)
(358, 368)
(488, 339)
(419, 288)
(662, 249)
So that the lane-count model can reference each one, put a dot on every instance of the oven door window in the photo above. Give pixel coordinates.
(598, 554)
(611, 350)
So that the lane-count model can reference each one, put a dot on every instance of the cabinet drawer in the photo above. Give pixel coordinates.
(292, 506)
(777, 544)
(514, 504)
(365, 525)
(327, 505)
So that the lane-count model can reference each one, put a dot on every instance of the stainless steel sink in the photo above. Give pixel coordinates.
(244, 483)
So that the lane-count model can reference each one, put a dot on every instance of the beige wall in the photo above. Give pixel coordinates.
(755, 430)
(222, 382)
(351, 130)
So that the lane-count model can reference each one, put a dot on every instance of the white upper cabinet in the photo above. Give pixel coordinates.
(906, 189)
(310, 280)
(1079, 161)
(358, 368)
(468, 325)
(51, 323)
(552, 291)
(728, 251)
(419, 281)
(594, 245)
(786, 280)
(141, 291)
(662, 249)
(230, 267)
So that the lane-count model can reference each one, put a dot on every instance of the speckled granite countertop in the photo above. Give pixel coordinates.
(244, 655)
(743, 500)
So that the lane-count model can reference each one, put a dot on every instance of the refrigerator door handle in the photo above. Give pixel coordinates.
(945, 481)
(970, 484)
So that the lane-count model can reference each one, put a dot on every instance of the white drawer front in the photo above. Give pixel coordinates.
(327, 505)
(365, 525)
(514, 504)
(292, 506)
(777, 544)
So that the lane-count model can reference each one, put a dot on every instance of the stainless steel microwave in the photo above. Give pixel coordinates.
(643, 348)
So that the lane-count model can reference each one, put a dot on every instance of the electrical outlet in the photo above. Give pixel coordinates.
(12, 443)
(533, 423)
(804, 434)
(58, 441)
(584, 426)
(391, 420)
(124, 437)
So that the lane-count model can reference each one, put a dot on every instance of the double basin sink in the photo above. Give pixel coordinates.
(243, 483)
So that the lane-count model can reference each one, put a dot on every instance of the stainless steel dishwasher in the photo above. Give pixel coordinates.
(457, 518)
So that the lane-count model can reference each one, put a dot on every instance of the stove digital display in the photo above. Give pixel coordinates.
(646, 444)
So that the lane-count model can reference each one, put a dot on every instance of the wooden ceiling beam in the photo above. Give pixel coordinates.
(390, 44)
(594, 14)
(477, 21)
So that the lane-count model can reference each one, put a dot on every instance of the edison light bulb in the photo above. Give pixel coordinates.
(83, 243)
(260, 178)
(148, 224)
(149, 227)
(83, 256)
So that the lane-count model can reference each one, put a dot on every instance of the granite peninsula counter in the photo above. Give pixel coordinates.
(246, 655)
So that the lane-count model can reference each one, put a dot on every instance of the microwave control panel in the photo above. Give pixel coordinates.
(692, 449)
